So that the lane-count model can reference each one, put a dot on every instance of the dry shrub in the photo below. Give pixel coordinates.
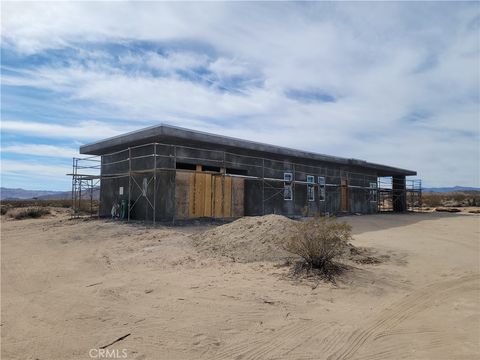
(452, 199)
(4, 209)
(446, 209)
(318, 242)
(432, 199)
(87, 207)
(21, 203)
(29, 213)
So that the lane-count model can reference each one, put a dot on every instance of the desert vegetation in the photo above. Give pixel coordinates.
(453, 199)
(204, 289)
(27, 212)
(319, 242)
(65, 203)
(314, 249)
(10, 207)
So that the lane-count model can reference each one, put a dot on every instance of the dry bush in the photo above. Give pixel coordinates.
(84, 207)
(432, 199)
(466, 198)
(447, 209)
(318, 242)
(29, 213)
(64, 203)
(87, 207)
(4, 209)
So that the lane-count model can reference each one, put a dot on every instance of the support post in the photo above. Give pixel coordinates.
(129, 181)
(91, 197)
(263, 186)
(174, 183)
(294, 183)
(154, 182)
(80, 195)
(399, 194)
(223, 188)
(73, 187)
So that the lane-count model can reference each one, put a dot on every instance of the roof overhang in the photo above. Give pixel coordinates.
(168, 134)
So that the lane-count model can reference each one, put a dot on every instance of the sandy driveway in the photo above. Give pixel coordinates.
(72, 286)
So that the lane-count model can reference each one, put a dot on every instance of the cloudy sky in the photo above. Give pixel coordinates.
(392, 83)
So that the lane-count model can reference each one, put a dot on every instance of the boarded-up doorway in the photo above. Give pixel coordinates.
(199, 194)
(344, 195)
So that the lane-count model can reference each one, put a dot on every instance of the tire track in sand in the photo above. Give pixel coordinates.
(409, 306)
(332, 342)
(277, 343)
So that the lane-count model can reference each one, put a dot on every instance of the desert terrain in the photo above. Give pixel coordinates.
(70, 286)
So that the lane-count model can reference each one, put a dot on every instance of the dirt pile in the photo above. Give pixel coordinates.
(249, 239)
(263, 238)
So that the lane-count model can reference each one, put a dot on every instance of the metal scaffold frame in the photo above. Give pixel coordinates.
(84, 186)
(87, 176)
(412, 192)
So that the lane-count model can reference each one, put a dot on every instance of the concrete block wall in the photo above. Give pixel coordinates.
(142, 159)
(358, 194)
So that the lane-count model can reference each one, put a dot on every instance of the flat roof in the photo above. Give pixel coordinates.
(181, 136)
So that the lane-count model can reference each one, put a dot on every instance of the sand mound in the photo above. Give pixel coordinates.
(263, 238)
(249, 239)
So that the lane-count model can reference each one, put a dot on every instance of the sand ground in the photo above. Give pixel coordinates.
(69, 286)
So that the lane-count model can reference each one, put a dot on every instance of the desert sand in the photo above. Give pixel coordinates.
(69, 286)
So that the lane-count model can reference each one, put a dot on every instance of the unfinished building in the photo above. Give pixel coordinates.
(167, 173)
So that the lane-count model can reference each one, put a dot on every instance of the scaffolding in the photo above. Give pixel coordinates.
(86, 181)
(411, 190)
(88, 173)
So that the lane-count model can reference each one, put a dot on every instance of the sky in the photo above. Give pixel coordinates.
(394, 83)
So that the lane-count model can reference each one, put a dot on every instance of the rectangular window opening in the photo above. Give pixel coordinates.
(237, 171)
(211, 168)
(185, 166)
(311, 193)
(287, 192)
(287, 186)
(310, 187)
(321, 188)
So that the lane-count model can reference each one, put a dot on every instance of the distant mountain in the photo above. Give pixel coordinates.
(61, 195)
(22, 194)
(451, 189)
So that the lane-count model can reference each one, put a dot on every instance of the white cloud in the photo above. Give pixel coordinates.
(224, 67)
(41, 150)
(84, 130)
(13, 167)
(382, 62)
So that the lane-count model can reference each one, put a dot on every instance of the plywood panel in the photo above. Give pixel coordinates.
(207, 210)
(199, 194)
(191, 195)
(218, 196)
(206, 195)
(227, 196)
